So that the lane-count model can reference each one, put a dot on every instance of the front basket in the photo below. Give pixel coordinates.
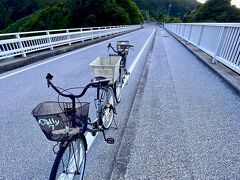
(56, 119)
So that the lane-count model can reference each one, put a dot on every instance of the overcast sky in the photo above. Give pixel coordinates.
(234, 2)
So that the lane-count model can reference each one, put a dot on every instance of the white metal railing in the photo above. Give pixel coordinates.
(15, 44)
(219, 40)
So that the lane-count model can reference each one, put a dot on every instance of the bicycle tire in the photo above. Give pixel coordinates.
(107, 97)
(118, 86)
(66, 164)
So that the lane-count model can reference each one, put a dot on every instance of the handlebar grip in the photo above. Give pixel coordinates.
(49, 77)
(109, 46)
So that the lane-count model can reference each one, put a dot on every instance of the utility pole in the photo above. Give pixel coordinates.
(169, 7)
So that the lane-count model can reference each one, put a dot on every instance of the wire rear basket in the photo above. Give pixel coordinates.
(56, 119)
(107, 67)
(121, 45)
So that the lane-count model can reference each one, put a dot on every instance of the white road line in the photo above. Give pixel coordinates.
(88, 135)
(140, 53)
(62, 56)
(138, 57)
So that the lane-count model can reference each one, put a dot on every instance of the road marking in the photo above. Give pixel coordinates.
(88, 135)
(140, 53)
(62, 56)
(138, 57)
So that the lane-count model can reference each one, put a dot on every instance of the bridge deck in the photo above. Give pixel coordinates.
(183, 122)
(185, 125)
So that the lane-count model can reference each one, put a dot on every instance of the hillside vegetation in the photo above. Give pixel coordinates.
(159, 8)
(79, 13)
(13, 10)
(214, 11)
(29, 15)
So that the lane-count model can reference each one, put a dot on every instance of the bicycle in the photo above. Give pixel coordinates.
(122, 50)
(67, 122)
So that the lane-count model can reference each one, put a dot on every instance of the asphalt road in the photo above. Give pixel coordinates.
(25, 153)
(183, 124)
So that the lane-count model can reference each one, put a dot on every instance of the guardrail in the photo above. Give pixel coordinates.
(219, 40)
(17, 44)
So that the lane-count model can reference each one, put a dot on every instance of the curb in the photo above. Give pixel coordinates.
(8, 65)
(229, 76)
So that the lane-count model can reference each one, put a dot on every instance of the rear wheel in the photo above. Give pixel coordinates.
(70, 161)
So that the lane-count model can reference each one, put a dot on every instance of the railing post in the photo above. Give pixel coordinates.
(184, 28)
(179, 29)
(190, 33)
(92, 33)
(81, 30)
(200, 36)
(21, 45)
(68, 37)
(49, 40)
(220, 44)
(105, 31)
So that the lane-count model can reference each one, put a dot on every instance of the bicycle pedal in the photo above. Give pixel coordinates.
(94, 126)
(110, 140)
(94, 133)
(114, 109)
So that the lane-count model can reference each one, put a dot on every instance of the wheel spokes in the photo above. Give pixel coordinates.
(73, 163)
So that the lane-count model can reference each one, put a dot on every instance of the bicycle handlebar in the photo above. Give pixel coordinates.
(49, 77)
(126, 46)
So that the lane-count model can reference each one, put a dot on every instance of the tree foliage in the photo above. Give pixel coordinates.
(13, 10)
(79, 13)
(159, 8)
(169, 19)
(214, 11)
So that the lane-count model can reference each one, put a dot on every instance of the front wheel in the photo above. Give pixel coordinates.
(70, 161)
(118, 86)
(108, 107)
(118, 89)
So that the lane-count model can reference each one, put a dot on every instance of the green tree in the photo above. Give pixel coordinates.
(214, 11)
(160, 7)
(80, 13)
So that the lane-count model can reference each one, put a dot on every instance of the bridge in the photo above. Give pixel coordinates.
(178, 118)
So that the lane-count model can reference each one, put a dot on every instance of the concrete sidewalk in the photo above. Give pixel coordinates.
(170, 133)
(223, 71)
(154, 127)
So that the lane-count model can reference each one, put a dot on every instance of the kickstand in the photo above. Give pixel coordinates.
(125, 78)
(115, 124)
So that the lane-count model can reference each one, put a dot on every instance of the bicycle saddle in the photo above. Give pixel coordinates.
(100, 80)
